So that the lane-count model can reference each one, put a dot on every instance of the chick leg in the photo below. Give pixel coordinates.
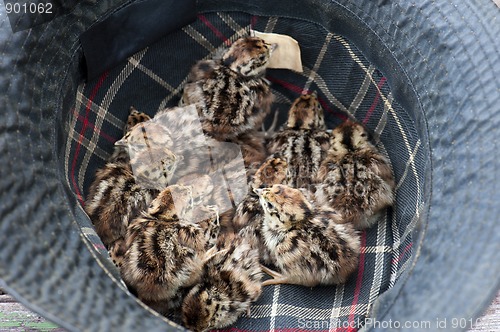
(277, 278)
(272, 128)
(212, 252)
(248, 311)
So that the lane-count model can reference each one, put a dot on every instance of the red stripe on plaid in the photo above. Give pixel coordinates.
(375, 101)
(359, 282)
(102, 134)
(340, 115)
(214, 29)
(99, 246)
(253, 21)
(297, 89)
(82, 132)
(287, 85)
(405, 250)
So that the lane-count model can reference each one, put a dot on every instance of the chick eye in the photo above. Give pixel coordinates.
(269, 205)
(279, 190)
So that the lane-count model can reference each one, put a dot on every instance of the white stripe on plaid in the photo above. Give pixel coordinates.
(398, 239)
(379, 263)
(409, 229)
(409, 162)
(239, 30)
(151, 74)
(271, 23)
(195, 35)
(336, 307)
(102, 110)
(70, 128)
(379, 248)
(267, 311)
(274, 307)
(402, 268)
(360, 96)
(396, 269)
(383, 118)
(85, 142)
(109, 117)
(313, 73)
(323, 87)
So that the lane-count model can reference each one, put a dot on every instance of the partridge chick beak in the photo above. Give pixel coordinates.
(121, 142)
(258, 191)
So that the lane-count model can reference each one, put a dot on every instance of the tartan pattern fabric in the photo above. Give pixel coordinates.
(347, 85)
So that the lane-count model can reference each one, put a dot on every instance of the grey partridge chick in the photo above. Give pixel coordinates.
(172, 140)
(308, 244)
(166, 252)
(114, 197)
(355, 179)
(272, 171)
(303, 141)
(231, 281)
(247, 221)
(231, 94)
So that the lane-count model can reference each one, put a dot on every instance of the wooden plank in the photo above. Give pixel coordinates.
(15, 317)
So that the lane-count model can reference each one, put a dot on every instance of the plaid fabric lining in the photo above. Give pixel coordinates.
(347, 85)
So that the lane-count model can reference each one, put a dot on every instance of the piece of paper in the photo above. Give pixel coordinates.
(286, 55)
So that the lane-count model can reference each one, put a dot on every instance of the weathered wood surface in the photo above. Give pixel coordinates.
(15, 317)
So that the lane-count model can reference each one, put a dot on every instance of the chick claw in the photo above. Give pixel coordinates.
(277, 278)
(269, 132)
(213, 252)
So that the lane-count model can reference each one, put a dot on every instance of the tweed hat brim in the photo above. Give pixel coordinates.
(441, 63)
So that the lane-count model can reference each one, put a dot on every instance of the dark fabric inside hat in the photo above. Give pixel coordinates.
(347, 84)
(423, 86)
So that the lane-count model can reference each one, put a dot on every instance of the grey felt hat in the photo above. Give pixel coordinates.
(423, 76)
